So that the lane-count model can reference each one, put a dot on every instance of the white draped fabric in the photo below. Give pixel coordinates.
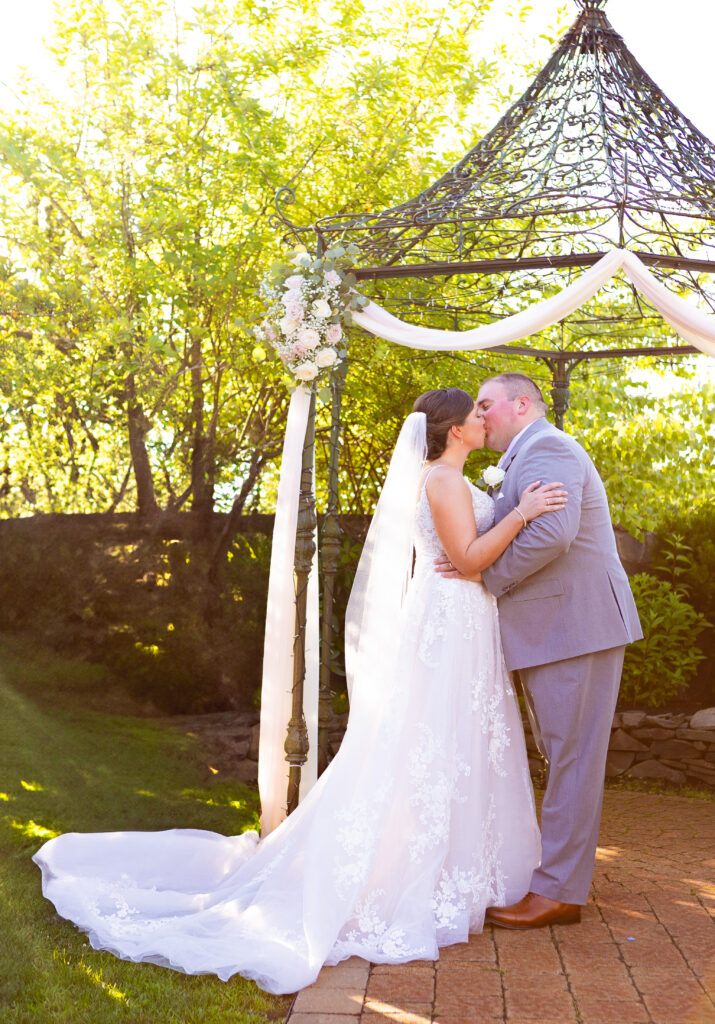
(277, 681)
(694, 326)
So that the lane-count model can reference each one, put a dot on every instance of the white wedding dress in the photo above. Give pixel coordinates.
(424, 819)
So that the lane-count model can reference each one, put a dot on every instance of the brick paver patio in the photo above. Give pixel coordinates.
(644, 952)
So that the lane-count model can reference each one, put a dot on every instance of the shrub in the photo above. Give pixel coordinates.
(661, 665)
(138, 603)
(685, 555)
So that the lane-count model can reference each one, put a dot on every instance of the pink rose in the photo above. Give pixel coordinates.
(309, 338)
(334, 333)
(332, 278)
(295, 311)
(293, 282)
(299, 350)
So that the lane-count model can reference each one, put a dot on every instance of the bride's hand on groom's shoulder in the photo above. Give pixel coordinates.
(539, 498)
(445, 568)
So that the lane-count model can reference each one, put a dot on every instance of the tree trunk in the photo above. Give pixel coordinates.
(147, 506)
(201, 455)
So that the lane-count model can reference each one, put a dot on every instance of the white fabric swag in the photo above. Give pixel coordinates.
(694, 326)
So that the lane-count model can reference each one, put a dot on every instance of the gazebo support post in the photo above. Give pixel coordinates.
(296, 744)
(561, 366)
(329, 551)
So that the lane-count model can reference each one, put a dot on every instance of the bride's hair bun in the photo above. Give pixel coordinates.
(444, 408)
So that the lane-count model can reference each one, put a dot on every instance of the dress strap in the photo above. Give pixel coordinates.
(425, 478)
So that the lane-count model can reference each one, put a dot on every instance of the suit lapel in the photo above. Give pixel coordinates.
(529, 432)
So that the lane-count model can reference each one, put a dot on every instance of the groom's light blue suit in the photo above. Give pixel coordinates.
(566, 613)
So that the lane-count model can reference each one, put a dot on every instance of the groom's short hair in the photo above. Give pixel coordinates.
(516, 384)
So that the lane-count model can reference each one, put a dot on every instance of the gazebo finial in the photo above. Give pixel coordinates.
(591, 5)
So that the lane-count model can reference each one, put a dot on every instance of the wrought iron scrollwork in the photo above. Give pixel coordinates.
(294, 234)
(593, 155)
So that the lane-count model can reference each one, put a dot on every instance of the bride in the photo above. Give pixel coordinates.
(424, 818)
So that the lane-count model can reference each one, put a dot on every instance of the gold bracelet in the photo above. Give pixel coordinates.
(519, 512)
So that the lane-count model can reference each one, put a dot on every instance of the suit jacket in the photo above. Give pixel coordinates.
(560, 585)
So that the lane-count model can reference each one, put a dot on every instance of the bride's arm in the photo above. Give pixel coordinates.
(453, 515)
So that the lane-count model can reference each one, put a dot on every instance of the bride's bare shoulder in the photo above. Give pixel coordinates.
(443, 481)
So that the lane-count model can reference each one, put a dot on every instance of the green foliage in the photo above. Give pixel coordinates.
(137, 216)
(140, 605)
(65, 768)
(660, 666)
(685, 555)
(654, 449)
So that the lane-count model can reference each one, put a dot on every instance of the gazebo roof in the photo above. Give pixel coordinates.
(593, 155)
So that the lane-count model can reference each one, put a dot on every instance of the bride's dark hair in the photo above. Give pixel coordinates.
(444, 408)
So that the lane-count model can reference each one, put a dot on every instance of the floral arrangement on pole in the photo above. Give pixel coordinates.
(309, 302)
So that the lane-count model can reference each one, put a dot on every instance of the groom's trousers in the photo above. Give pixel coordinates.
(572, 702)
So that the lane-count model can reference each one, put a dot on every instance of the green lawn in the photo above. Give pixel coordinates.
(67, 766)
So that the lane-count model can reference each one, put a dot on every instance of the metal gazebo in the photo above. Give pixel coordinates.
(592, 156)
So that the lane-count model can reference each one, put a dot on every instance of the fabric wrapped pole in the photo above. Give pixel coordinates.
(277, 684)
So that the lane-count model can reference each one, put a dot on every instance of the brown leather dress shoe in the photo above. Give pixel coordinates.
(533, 911)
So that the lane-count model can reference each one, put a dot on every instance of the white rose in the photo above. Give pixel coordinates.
(306, 371)
(326, 357)
(332, 278)
(493, 476)
(293, 282)
(322, 308)
(288, 325)
(309, 338)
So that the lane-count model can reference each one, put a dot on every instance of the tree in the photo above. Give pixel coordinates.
(138, 224)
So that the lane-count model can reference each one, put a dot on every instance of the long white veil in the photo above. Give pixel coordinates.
(371, 628)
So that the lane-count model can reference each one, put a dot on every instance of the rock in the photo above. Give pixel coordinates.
(674, 750)
(245, 771)
(695, 735)
(653, 732)
(620, 740)
(617, 762)
(702, 776)
(697, 762)
(629, 719)
(666, 721)
(656, 770)
(704, 719)
(253, 747)
(239, 748)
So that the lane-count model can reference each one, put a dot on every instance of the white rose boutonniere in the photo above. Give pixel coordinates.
(493, 477)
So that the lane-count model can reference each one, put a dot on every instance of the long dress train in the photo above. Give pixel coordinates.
(424, 818)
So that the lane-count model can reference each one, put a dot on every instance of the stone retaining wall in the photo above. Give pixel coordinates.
(672, 748)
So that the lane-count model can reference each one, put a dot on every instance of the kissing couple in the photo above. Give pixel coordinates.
(423, 826)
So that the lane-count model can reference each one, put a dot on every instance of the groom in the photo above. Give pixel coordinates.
(566, 613)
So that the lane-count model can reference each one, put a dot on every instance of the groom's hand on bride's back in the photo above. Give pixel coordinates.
(445, 568)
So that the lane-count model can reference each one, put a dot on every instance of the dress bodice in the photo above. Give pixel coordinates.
(427, 543)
